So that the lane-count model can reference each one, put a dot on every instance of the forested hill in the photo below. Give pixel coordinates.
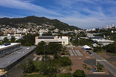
(37, 20)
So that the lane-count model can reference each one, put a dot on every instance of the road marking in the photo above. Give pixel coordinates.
(101, 60)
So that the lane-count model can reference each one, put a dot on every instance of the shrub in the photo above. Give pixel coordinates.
(65, 61)
(79, 73)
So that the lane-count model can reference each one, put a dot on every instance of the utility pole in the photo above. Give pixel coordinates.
(96, 64)
(44, 54)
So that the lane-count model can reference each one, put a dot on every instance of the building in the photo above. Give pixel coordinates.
(104, 41)
(99, 40)
(8, 48)
(89, 35)
(17, 36)
(61, 39)
(16, 53)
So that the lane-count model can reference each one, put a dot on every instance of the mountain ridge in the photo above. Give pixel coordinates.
(38, 20)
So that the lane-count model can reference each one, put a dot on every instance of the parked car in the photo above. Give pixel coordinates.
(87, 51)
(90, 53)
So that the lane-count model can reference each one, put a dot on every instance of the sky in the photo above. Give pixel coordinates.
(85, 14)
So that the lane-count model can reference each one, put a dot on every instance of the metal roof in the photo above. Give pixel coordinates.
(11, 58)
(46, 37)
(11, 44)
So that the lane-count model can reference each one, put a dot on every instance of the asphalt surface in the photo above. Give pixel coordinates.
(107, 65)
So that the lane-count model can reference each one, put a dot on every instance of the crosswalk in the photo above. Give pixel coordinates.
(75, 53)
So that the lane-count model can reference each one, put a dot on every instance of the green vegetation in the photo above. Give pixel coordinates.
(28, 39)
(100, 67)
(97, 49)
(65, 52)
(12, 39)
(51, 48)
(82, 42)
(27, 66)
(50, 66)
(69, 69)
(58, 75)
(79, 73)
(111, 48)
(84, 66)
(38, 20)
(5, 40)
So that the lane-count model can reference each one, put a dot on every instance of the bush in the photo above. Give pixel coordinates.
(79, 73)
(27, 66)
(65, 61)
(56, 56)
(69, 69)
(100, 66)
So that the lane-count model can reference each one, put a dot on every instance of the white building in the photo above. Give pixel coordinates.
(90, 35)
(17, 36)
(62, 39)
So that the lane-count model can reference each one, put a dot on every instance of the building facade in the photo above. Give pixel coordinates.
(61, 39)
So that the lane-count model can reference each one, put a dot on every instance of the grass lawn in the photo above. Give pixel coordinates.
(34, 75)
(36, 63)
(39, 75)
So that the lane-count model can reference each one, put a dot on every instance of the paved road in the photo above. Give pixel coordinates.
(109, 66)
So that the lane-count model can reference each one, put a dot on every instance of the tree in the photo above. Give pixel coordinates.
(6, 40)
(40, 48)
(48, 68)
(27, 44)
(27, 66)
(53, 48)
(56, 56)
(65, 61)
(111, 48)
(45, 58)
(12, 39)
(79, 73)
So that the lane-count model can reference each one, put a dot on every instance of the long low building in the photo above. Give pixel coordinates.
(103, 41)
(61, 39)
(8, 48)
(9, 61)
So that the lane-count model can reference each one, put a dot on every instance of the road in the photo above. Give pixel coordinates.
(107, 65)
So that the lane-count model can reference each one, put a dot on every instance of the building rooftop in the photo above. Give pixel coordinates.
(9, 59)
(10, 44)
(104, 40)
(96, 37)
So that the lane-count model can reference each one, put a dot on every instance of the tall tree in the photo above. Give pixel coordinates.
(40, 48)
(5, 40)
(12, 39)
(48, 68)
(27, 66)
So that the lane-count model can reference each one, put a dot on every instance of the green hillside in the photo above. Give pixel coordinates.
(38, 20)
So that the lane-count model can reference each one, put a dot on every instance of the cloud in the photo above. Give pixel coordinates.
(26, 5)
(82, 13)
